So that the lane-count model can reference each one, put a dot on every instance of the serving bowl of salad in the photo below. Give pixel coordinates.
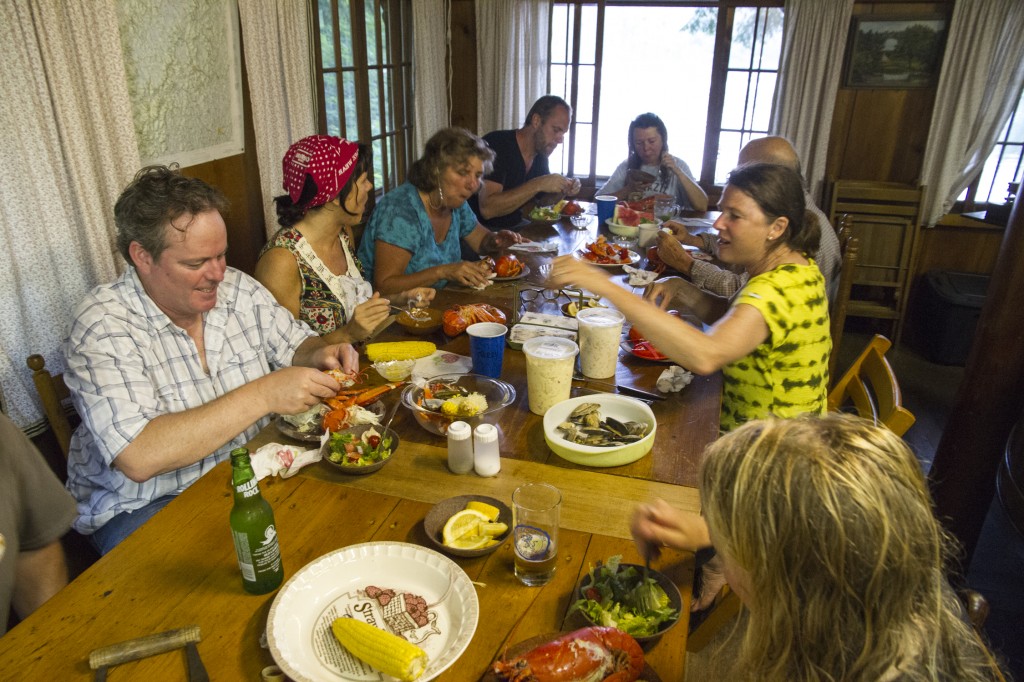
(473, 398)
(616, 594)
(361, 449)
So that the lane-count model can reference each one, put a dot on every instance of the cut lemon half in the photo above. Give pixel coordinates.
(463, 524)
(488, 510)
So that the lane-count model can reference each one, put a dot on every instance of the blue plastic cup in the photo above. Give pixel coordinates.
(487, 347)
(605, 207)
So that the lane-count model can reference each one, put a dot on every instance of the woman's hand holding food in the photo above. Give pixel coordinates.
(367, 316)
(680, 232)
(469, 273)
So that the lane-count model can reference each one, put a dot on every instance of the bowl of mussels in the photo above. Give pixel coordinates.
(600, 430)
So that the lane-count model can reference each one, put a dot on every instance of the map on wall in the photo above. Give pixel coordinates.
(184, 78)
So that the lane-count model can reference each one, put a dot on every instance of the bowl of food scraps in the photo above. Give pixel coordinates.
(441, 400)
(618, 595)
(600, 429)
(360, 449)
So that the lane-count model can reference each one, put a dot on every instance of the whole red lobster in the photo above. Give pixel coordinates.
(594, 653)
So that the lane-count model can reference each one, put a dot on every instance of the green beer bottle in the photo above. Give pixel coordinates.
(252, 527)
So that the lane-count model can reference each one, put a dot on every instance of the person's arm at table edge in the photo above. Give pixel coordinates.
(494, 200)
(38, 575)
(177, 439)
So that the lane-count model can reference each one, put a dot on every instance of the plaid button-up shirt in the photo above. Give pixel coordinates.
(128, 364)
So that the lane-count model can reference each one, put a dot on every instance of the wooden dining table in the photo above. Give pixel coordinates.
(180, 569)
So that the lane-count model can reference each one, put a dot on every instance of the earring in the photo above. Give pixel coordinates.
(440, 199)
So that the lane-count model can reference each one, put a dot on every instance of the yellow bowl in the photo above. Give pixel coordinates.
(612, 405)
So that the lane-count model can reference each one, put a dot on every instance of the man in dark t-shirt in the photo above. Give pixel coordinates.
(521, 178)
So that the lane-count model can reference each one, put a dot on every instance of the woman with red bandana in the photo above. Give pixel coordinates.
(309, 264)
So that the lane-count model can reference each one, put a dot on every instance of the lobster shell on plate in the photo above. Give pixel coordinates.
(458, 317)
(573, 656)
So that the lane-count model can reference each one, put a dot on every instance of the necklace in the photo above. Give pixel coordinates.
(440, 199)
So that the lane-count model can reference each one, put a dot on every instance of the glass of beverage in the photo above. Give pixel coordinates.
(535, 517)
(664, 209)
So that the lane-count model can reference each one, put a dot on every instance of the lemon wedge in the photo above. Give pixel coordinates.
(488, 510)
(493, 530)
(463, 525)
(471, 542)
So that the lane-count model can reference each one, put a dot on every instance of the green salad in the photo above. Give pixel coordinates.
(544, 213)
(370, 448)
(619, 597)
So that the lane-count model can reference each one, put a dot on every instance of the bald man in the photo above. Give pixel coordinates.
(725, 282)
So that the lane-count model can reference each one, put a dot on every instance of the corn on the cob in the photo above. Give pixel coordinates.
(399, 350)
(388, 653)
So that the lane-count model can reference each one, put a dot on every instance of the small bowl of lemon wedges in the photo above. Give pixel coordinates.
(468, 525)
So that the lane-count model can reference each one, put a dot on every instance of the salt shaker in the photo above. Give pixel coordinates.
(460, 448)
(486, 456)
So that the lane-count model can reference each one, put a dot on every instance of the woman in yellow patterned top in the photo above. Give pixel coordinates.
(771, 341)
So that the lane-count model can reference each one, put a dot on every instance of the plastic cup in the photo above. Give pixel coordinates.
(536, 508)
(600, 332)
(487, 347)
(647, 235)
(605, 207)
(549, 365)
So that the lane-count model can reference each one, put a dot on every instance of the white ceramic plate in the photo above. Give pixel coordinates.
(634, 258)
(432, 604)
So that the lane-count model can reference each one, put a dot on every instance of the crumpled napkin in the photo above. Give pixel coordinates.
(442, 362)
(673, 379)
(639, 277)
(274, 459)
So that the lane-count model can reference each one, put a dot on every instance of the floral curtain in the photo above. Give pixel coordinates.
(67, 148)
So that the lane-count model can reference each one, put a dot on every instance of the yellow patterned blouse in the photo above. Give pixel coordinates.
(787, 375)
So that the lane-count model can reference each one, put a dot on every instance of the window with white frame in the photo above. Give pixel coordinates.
(708, 72)
(1003, 166)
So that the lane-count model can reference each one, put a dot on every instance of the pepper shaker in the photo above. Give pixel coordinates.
(486, 455)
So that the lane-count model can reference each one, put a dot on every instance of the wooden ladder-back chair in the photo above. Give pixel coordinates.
(849, 247)
(885, 217)
(52, 392)
(871, 386)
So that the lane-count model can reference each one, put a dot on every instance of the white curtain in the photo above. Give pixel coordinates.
(982, 75)
(67, 149)
(278, 54)
(813, 42)
(431, 19)
(512, 60)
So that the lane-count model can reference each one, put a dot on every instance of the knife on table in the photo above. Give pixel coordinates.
(624, 390)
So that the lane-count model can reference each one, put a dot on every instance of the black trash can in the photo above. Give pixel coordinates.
(950, 308)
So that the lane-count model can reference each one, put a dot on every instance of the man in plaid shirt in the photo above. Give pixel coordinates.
(179, 360)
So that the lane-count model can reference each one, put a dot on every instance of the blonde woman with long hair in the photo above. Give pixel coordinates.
(825, 530)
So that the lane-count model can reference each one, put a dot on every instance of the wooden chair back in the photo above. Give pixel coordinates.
(849, 247)
(52, 392)
(885, 217)
(870, 386)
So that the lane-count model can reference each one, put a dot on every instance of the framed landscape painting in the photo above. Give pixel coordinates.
(895, 52)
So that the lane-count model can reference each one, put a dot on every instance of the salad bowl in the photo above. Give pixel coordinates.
(603, 598)
(366, 464)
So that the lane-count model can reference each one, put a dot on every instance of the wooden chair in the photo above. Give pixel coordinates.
(52, 392)
(885, 217)
(849, 247)
(871, 387)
